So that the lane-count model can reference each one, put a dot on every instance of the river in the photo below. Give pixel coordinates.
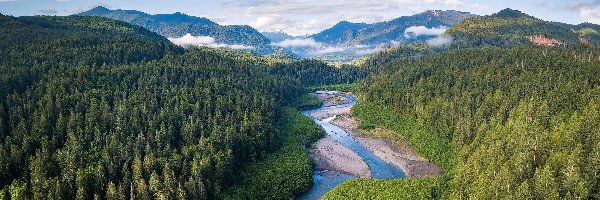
(324, 181)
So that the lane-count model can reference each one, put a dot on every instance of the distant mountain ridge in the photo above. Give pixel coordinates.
(277, 36)
(179, 24)
(348, 33)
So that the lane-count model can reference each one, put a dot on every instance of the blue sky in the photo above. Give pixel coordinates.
(302, 17)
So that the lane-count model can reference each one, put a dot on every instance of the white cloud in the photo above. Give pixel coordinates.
(299, 42)
(479, 7)
(439, 41)
(291, 25)
(308, 45)
(189, 40)
(312, 16)
(454, 3)
(326, 50)
(415, 31)
(451, 3)
(591, 15)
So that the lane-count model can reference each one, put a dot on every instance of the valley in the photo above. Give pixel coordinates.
(342, 154)
(112, 103)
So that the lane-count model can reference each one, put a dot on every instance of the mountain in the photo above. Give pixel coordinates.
(347, 33)
(277, 36)
(347, 41)
(84, 101)
(509, 27)
(178, 24)
(76, 34)
(342, 32)
(510, 13)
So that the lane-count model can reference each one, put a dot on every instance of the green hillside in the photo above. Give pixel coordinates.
(93, 108)
(509, 28)
(520, 123)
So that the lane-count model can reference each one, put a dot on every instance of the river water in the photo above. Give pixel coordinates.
(324, 181)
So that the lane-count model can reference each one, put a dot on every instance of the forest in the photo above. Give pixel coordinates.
(518, 123)
(94, 108)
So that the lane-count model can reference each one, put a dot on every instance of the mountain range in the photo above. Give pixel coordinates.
(178, 24)
(348, 33)
(347, 41)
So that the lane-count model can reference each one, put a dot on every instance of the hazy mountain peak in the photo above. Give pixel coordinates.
(99, 10)
(276, 36)
(178, 24)
(347, 23)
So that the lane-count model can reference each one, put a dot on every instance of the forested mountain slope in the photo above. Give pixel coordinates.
(509, 28)
(178, 24)
(96, 108)
(30, 46)
(518, 123)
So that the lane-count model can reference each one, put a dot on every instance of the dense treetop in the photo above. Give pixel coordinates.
(96, 108)
(522, 123)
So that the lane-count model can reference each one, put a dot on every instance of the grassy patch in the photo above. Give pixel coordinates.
(587, 32)
(308, 101)
(427, 144)
(285, 172)
(383, 122)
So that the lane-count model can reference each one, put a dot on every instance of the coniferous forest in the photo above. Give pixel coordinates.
(95, 108)
(519, 123)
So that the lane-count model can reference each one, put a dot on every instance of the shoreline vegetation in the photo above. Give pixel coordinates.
(419, 157)
(389, 145)
(289, 168)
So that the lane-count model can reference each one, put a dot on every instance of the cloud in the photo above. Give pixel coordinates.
(189, 40)
(312, 16)
(590, 14)
(295, 26)
(330, 49)
(308, 46)
(479, 7)
(439, 41)
(416, 31)
(581, 4)
(454, 3)
(298, 42)
(451, 3)
(48, 11)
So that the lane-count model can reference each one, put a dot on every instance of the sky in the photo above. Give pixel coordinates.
(302, 17)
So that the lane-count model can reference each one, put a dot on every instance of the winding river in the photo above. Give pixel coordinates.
(327, 180)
